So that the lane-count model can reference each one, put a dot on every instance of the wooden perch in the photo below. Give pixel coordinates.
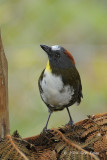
(86, 141)
(4, 114)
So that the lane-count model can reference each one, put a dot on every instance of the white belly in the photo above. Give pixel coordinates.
(54, 92)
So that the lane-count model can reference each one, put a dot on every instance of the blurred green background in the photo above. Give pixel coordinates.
(81, 27)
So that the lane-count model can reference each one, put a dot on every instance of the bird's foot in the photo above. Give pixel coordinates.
(71, 124)
(45, 130)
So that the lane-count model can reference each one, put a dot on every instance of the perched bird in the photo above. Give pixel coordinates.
(60, 83)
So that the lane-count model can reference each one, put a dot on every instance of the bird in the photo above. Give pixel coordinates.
(59, 83)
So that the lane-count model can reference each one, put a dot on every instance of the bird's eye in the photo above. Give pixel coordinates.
(57, 55)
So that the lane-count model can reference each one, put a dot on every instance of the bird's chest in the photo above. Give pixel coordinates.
(54, 92)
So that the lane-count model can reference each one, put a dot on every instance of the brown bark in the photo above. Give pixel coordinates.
(4, 114)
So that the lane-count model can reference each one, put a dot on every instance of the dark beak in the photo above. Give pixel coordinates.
(47, 49)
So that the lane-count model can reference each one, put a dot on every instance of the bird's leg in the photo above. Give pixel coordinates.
(45, 128)
(70, 121)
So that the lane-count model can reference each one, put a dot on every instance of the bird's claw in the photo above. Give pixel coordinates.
(71, 124)
(45, 130)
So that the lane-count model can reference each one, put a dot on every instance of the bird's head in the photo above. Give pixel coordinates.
(58, 56)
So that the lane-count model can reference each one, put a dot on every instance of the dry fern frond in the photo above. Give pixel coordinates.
(86, 141)
(9, 150)
(69, 150)
(77, 143)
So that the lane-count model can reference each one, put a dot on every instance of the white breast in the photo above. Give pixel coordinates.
(54, 92)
